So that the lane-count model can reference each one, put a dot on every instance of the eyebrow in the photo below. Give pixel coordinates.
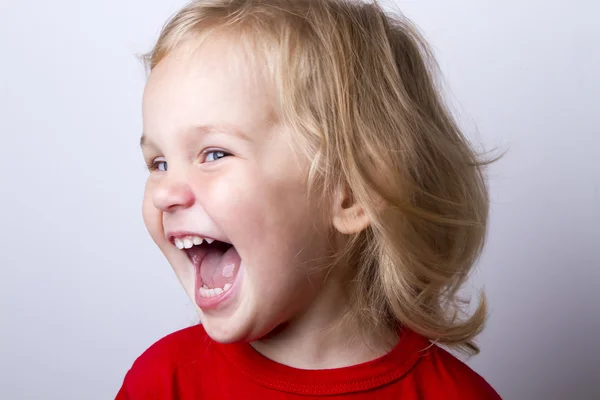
(203, 130)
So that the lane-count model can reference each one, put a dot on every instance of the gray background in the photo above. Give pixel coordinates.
(83, 291)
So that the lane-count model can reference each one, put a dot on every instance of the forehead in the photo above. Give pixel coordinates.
(215, 82)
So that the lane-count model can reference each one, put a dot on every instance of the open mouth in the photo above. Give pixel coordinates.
(216, 263)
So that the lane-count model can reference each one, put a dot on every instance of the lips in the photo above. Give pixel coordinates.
(216, 265)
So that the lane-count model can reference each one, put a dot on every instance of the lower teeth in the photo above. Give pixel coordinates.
(204, 291)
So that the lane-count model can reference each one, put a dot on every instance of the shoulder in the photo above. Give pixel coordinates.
(155, 370)
(452, 378)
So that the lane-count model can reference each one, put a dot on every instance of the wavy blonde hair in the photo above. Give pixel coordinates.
(358, 86)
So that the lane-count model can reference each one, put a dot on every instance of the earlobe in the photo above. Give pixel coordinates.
(349, 216)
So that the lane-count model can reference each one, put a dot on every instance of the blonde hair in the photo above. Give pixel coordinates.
(358, 86)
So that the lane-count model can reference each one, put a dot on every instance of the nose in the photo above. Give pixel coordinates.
(171, 195)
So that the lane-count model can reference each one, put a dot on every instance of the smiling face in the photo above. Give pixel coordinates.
(223, 168)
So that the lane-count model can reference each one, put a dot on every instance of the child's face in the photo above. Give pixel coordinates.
(227, 170)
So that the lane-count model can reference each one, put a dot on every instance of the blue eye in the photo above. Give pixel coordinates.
(158, 164)
(215, 155)
(161, 165)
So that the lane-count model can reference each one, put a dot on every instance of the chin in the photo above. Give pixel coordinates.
(241, 327)
(225, 332)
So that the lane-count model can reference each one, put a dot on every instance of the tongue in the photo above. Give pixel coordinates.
(219, 268)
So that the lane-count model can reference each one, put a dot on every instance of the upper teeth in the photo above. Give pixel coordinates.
(189, 241)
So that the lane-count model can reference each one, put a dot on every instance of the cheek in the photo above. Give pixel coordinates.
(268, 217)
(258, 200)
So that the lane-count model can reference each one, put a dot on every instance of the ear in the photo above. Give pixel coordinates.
(349, 216)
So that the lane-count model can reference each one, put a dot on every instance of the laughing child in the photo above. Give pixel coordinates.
(316, 201)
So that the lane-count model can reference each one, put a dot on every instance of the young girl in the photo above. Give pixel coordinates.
(316, 201)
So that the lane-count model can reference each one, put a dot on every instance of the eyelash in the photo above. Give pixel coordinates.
(153, 165)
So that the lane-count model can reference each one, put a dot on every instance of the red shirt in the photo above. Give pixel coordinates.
(189, 365)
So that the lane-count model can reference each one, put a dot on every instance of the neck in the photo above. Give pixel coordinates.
(324, 337)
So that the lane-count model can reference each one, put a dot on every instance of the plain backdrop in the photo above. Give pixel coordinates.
(83, 290)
